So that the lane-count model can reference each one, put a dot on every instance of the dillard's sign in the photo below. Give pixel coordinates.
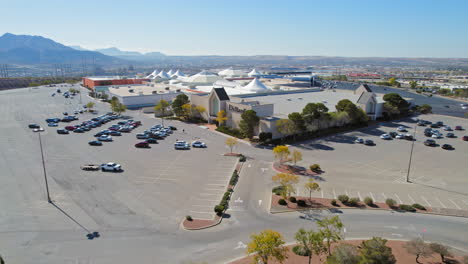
(236, 109)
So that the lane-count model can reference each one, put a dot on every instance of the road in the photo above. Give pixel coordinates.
(34, 231)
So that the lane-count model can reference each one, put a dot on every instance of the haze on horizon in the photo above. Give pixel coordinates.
(418, 28)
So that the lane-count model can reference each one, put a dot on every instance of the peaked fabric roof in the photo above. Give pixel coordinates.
(231, 72)
(163, 75)
(170, 72)
(256, 86)
(178, 73)
(204, 77)
(254, 72)
(152, 75)
(221, 93)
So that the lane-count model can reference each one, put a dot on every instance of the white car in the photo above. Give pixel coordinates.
(447, 128)
(436, 135)
(359, 141)
(385, 136)
(181, 145)
(40, 129)
(401, 129)
(111, 166)
(198, 144)
(400, 136)
(104, 138)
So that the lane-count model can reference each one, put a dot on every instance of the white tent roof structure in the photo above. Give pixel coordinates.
(254, 72)
(204, 77)
(178, 74)
(255, 86)
(152, 75)
(230, 72)
(170, 72)
(162, 75)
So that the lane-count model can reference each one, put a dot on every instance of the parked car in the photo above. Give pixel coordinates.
(111, 166)
(95, 143)
(52, 124)
(70, 128)
(400, 136)
(40, 129)
(86, 128)
(151, 141)
(65, 113)
(181, 145)
(401, 129)
(439, 123)
(359, 141)
(421, 123)
(450, 135)
(115, 133)
(434, 126)
(447, 146)
(369, 142)
(125, 129)
(198, 144)
(143, 144)
(385, 136)
(408, 137)
(172, 127)
(447, 128)
(430, 142)
(90, 167)
(33, 126)
(62, 131)
(142, 136)
(393, 134)
(436, 135)
(105, 138)
(465, 138)
(458, 128)
(79, 130)
(52, 120)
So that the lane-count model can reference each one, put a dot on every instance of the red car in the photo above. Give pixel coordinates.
(136, 123)
(465, 138)
(458, 128)
(114, 128)
(142, 145)
(70, 128)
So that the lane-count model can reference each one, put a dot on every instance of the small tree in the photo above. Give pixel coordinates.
(90, 106)
(311, 242)
(296, 156)
(231, 142)
(221, 117)
(418, 248)
(311, 186)
(413, 84)
(248, 123)
(374, 251)
(390, 202)
(315, 168)
(162, 107)
(440, 249)
(268, 244)
(200, 110)
(178, 102)
(425, 109)
(287, 181)
(344, 254)
(286, 127)
(265, 136)
(331, 229)
(281, 153)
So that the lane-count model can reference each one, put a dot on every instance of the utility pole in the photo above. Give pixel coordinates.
(44, 168)
(411, 154)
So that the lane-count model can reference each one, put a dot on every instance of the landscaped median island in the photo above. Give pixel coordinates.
(190, 223)
(281, 203)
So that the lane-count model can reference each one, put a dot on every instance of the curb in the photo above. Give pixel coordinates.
(200, 228)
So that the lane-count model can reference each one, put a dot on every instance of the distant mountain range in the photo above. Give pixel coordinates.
(30, 50)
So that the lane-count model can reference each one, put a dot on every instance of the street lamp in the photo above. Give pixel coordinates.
(411, 154)
(43, 167)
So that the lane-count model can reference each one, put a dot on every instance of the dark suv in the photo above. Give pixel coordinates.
(430, 142)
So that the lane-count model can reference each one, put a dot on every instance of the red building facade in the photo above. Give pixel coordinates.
(93, 82)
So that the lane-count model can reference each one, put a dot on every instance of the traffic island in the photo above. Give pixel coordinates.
(296, 170)
(300, 203)
(199, 224)
(397, 246)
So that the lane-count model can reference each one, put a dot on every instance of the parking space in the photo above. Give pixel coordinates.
(438, 176)
(157, 189)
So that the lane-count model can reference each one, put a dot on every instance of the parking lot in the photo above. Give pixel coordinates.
(157, 189)
(439, 177)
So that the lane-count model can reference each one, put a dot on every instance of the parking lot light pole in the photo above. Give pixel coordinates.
(411, 154)
(43, 167)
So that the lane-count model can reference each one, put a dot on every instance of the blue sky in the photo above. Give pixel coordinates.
(370, 28)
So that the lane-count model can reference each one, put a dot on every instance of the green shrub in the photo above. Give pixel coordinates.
(300, 251)
(418, 206)
(242, 158)
(189, 218)
(353, 201)
(406, 207)
(278, 190)
(369, 201)
(282, 202)
(334, 203)
(292, 199)
(315, 168)
(390, 202)
(343, 198)
(230, 131)
(219, 209)
(301, 203)
(234, 178)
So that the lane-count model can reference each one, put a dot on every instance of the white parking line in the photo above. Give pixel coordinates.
(346, 191)
(202, 205)
(398, 197)
(209, 200)
(456, 205)
(321, 192)
(443, 205)
(385, 197)
(334, 193)
(198, 212)
(424, 198)
(412, 200)
(372, 196)
(359, 194)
